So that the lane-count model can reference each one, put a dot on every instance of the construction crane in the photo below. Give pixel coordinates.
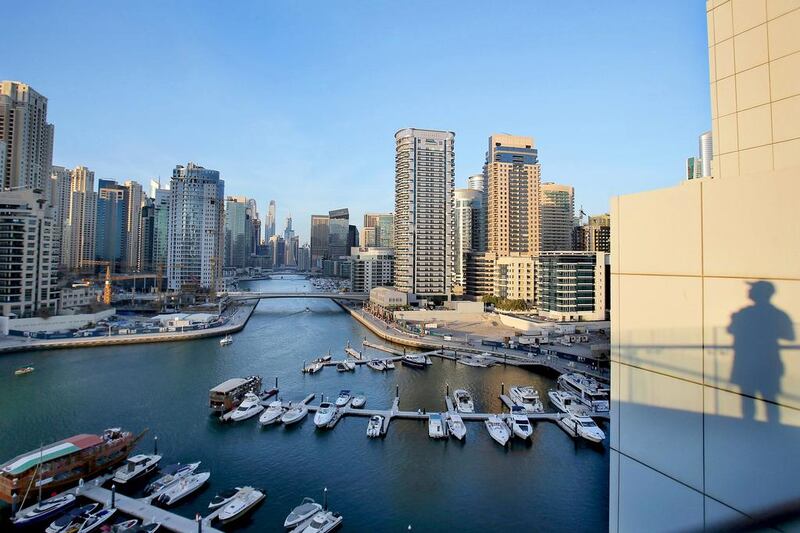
(107, 284)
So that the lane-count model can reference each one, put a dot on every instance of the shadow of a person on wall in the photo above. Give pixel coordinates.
(757, 365)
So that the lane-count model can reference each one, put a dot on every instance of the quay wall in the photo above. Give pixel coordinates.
(54, 323)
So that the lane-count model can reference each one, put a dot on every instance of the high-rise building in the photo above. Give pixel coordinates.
(338, 230)
(694, 168)
(304, 258)
(352, 238)
(571, 286)
(480, 274)
(161, 201)
(557, 213)
(383, 224)
(59, 200)
(78, 241)
(196, 238)
(477, 182)
(278, 251)
(291, 258)
(110, 238)
(146, 233)
(370, 268)
(255, 226)
(319, 240)
(595, 235)
(705, 373)
(236, 232)
(466, 219)
(28, 279)
(288, 231)
(134, 201)
(369, 236)
(27, 137)
(514, 278)
(269, 230)
(705, 152)
(512, 173)
(423, 235)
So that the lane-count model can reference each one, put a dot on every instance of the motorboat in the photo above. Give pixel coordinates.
(91, 521)
(478, 361)
(463, 401)
(125, 525)
(323, 359)
(313, 368)
(519, 424)
(324, 414)
(527, 398)
(436, 426)
(586, 389)
(344, 398)
(223, 497)
(272, 413)
(44, 510)
(376, 364)
(497, 429)
(23, 370)
(358, 400)
(152, 527)
(581, 426)
(136, 467)
(294, 414)
(375, 426)
(564, 401)
(455, 426)
(183, 488)
(250, 407)
(172, 473)
(322, 522)
(345, 366)
(227, 340)
(62, 522)
(415, 361)
(241, 504)
(389, 364)
(301, 513)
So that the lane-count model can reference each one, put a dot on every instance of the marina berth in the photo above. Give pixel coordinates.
(229, 394)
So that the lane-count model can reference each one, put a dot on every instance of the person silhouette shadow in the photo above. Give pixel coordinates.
(757, 366)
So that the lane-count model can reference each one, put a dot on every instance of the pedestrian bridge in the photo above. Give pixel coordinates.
(351, 296)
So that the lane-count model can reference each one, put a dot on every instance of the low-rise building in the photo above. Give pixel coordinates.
(370, 268)
(480, 274)
(388, 298)
(572, 286)
(515, 279)
(78, 296)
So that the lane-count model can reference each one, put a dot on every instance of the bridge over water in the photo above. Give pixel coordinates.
(244, 295)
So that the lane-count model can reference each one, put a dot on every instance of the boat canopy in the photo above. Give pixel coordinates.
(62, 448)
(227, 386)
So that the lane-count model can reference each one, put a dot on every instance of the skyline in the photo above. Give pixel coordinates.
(292, 138)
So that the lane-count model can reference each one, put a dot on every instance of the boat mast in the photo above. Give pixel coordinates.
(41, 457)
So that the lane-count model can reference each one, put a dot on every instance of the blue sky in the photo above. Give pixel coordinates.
(299, 101)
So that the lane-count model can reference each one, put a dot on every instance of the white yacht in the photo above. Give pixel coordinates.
(527, 398)
(435, 426)
(376, 364)
(295, 414)
(455, 426)
(389, 364)
(497, 429)
(478, 361)
(324, 414)
(581, 426)
(322, 522)
(374, 426)
(241, 504)
(345, 366)
(127, 526)
(358, 401)
(136, 467)
(313, 368)
(587, 390)
(519, 424)
(415, 361)
(61, 523)
(272, 413)
(301, 513)
(344, 398)
(564, 401)
(223, 498)
(226, 340)
(250, 406)
(182, 488)
(91, 522)
(464, 403)
(170, 475)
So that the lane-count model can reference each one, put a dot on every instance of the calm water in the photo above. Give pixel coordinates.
(552, 483)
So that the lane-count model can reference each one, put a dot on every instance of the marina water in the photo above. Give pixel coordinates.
(553, 483)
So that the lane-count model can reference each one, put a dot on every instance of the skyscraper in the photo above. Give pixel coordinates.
(269, 229)
(424, 181)
(146, 231)
(706, 152)
(161, 201)
(468, 208)
(236, 245)
(196, 229)
(595, 235)
(78, 241)
(319, 240)
(478, 182)
(338, 229)
(512, 173)
(134, 201)
(110, 237)
(383, 225)
(557, 214)
(59, 194)
(26, 135)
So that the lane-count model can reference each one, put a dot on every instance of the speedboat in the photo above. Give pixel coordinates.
(455, 426)
(182, 488)
(374, 426)
(241, 504)
(389, 364)
(519, 424)
(301, 513)
(272, 413)
(497, 429)
(61, 523)
(313, 368)
(415, 361)
(322, 522)
(358, 400)
(91, 521)
(376, 364)
(463, 400)
(563, 401)
(226, 340)
(324, 359)
(345, 366)
(124, 526)
(43, 510)
(469, 360)
(344, 397)
(295, 414)
(152, 527)
(527, 398)
(324, 414)
(435, 426)
(136, 467)
(172, 473)
(223, 497)
(581, 426)
(250, 406)
(23, 370)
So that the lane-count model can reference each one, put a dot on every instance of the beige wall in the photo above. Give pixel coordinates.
(754, 60)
